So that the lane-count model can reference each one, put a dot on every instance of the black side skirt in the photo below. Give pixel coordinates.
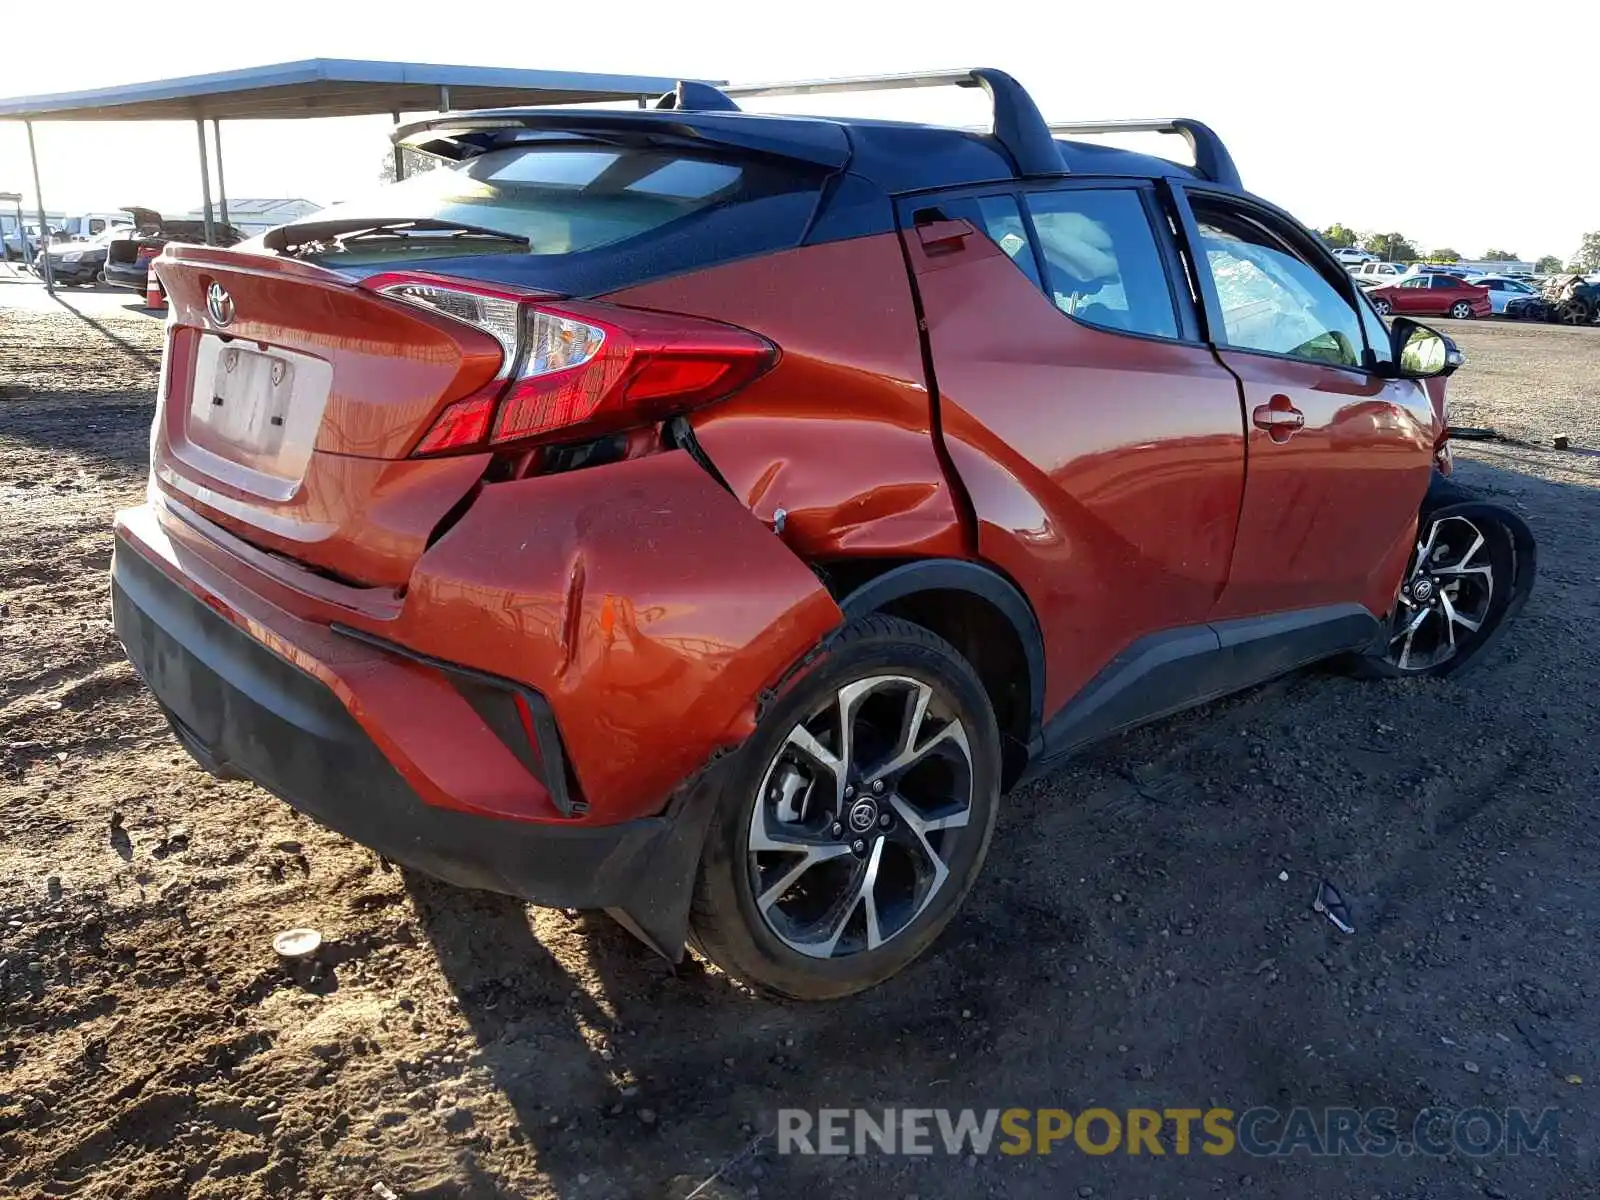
(1176, 669)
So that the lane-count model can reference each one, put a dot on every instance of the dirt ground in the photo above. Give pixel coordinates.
(1141, 937)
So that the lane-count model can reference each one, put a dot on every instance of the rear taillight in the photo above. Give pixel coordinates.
(577, 369)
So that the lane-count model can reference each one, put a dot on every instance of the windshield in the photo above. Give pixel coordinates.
(563, 199)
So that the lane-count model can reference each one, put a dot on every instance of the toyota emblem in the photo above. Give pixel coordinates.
(219, 305)
(863, 816)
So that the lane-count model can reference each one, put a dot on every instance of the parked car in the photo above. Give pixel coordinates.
(1528, 308)
(1502, 290)
(708, 517)
(1573, 299)
(128, 258)
(24, 245)
(78, 262)
(1351, 256)
(1432, 293)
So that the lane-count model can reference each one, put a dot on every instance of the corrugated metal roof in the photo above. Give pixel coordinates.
(331, 87)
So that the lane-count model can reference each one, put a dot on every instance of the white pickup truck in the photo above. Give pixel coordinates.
(1379, 272)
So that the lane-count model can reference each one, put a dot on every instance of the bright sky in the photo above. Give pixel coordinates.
(1458, 125)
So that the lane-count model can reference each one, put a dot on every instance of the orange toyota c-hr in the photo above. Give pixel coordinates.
(708, 516)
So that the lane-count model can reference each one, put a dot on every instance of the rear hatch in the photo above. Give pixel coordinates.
(141, 243)
(290, 398)
(329, 392)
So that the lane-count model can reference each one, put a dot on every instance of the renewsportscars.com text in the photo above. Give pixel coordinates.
(1260, 1132)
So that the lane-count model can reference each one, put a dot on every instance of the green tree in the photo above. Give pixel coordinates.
(1391, 247)
(1498, 256)
(416, 164)
(1337, 236)
(1548, 265)
(1446, 255)
(1588, 258)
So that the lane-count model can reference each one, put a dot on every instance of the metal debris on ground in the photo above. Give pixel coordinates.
(1473, 433)
(1330, 904)
(298, 943)
(1563, 442)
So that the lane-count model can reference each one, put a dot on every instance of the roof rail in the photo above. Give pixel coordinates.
(1019, 127)
(1211, 157)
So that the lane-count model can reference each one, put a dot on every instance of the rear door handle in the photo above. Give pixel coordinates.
(944, 235)
(1280, 418)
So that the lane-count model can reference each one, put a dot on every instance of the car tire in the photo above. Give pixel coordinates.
(810, 891)
(1383, 306)
(1461, 310)
(1479, 562)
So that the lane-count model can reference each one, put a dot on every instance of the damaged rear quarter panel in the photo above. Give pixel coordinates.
(641, 599)
(840, 433)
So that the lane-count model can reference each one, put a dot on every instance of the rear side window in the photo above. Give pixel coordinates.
(571, 198)
(1001, 219)
(1100, 259)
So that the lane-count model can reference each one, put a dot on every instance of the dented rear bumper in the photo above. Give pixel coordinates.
(638, 611)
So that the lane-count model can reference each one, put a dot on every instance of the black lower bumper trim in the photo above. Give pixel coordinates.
(244, 712)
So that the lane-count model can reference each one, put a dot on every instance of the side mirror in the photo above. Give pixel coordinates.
(1422, 353)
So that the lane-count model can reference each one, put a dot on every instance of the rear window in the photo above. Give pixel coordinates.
(568, 199)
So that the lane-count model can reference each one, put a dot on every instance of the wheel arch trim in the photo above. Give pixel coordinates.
(977, 579)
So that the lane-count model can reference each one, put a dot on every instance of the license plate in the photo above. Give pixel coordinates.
(246, 405)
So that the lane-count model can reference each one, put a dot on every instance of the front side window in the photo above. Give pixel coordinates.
(1101, 261)
(1378, 339)
(1272, 300)
(1420, 281)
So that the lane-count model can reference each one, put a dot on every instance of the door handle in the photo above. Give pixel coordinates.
(1279, 418)
(943, 236)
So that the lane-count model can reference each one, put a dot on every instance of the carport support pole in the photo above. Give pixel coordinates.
(399, 155)
(222, 185)
(44, 227)
(205, 180)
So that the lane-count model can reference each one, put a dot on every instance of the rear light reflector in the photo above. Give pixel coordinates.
(461, 426)
(579, 369)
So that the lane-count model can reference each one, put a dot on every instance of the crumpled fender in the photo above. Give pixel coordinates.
(646, 605)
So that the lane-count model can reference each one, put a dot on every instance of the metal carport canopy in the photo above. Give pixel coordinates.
(332, 87)
(317, 87)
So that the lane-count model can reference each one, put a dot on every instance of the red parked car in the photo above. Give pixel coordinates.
(1432, 295)
(708, 516)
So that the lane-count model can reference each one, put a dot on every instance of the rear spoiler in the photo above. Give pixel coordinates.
(458, 136)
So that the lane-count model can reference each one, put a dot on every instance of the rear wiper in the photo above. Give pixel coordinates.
(349, 229)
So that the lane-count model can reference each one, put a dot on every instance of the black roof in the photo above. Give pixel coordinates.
(898, 156)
